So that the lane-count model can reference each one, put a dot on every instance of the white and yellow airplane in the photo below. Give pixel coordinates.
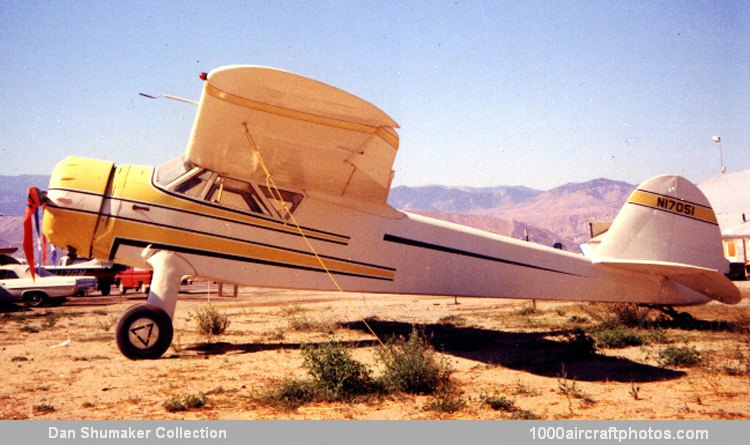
(284, 184)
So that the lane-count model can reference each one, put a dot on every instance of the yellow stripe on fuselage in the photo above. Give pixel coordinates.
(674, 206)
(217, 244)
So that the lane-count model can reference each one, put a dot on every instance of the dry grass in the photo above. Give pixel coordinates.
(494, 347)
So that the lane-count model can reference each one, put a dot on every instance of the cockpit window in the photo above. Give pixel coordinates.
(185, 178)
(193, 184)
(237, 194)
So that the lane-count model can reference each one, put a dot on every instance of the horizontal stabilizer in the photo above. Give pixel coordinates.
(707, 281)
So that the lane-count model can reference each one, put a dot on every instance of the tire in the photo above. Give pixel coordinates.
(144, 332)
(143, 288)
(105, 290)
(36, 298)
(123, 289)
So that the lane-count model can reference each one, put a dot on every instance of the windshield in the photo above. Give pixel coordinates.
(172, 170)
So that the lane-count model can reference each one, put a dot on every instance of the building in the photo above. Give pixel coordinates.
(729, 194)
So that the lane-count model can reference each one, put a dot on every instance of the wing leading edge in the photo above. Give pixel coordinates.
(312, 137)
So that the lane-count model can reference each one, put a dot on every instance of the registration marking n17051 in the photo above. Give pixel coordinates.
(676, 206)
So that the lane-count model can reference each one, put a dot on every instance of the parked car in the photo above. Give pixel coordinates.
(138, 279)
(105, 273)
(16, 284)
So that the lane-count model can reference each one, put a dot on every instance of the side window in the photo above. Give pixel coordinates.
(282, 201)
(236, 194)
(7, 274)
(194, 185)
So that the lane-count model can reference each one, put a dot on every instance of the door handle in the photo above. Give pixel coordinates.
(140, 207)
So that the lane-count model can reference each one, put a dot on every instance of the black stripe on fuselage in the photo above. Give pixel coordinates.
(310, 235)
(451, 250)
(225, 256)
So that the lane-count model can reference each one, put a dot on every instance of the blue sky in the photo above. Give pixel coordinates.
(487, 93)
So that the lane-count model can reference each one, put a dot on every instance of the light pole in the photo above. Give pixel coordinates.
(717, 139)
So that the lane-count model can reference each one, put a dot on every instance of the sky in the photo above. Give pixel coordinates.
(531, 93)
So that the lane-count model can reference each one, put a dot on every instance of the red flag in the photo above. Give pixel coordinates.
(32, 205)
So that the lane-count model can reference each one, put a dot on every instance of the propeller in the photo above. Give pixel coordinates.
(35, 200)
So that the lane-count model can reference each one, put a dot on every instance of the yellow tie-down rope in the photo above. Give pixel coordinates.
(271, 185)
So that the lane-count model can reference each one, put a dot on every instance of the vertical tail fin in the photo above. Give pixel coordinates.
(667, 227)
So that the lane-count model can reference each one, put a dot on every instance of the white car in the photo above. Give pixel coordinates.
(16, 284)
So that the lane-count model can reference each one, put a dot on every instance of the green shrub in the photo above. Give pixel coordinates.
(335, 376)
(682, 356)
(412, 366)
(629, 314)
(334, 371)
(211, 321)
(579, 344)
(174, 405)
(577, 319)
(447, 400)
(499, 403)
(658, 335)
(618, 337)
(453, 320)
(190, 401)
(738, 365)
(292, 394)
(195, 401)
(409, 366)
(43, 408)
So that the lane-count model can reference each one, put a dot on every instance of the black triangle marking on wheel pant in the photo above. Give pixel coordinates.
(148, 336)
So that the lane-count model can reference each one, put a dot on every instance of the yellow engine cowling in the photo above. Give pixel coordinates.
(74, 202)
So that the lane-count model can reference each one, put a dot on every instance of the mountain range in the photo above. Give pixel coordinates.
(561, 214)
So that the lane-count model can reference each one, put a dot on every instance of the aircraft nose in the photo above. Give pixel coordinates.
(74, 201)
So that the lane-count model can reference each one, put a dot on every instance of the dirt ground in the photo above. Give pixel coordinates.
(62, 362)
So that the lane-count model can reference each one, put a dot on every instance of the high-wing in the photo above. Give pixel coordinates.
(312, 137)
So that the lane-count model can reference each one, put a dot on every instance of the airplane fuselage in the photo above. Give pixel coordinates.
(114, 213)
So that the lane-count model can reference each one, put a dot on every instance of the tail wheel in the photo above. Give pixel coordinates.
(144, 332)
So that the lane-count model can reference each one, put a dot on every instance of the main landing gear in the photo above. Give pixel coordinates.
(145, 330)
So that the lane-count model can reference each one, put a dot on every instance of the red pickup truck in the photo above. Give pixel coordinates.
(138, 279)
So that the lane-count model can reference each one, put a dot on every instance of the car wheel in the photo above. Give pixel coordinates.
(143, 288)
(36, 298)
(144, 332)
(123, 289)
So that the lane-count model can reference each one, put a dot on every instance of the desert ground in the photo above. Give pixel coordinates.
(62, 362)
